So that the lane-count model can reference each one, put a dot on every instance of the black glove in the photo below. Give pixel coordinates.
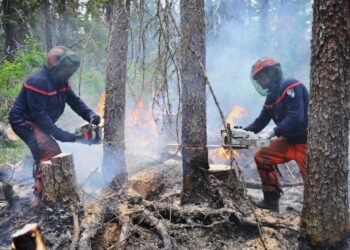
(68, 137)
(95, 119)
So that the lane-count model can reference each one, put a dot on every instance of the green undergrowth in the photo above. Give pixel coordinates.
(13, 152)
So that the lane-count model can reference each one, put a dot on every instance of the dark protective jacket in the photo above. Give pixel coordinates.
(42, 101)
(287, 105)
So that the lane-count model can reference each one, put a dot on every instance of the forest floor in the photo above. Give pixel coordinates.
(158, 221)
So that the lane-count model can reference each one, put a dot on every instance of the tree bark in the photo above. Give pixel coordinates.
(114, 117)
(59, 180)
(9, 29)
(193, 98)
(62, 37)
(48, 30)
(325, 213)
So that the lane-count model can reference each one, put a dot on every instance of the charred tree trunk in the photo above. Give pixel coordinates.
(193, 99)
(114, 145)
(48, 31)
(59, 180)
(325, 214)
(9, 29)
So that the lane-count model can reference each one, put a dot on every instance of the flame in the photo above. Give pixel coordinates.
(236, 112)
(142, 118)
(222, 155)
(101, 104)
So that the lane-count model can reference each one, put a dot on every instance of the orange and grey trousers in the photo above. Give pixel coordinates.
(42, 146)
(278, 152)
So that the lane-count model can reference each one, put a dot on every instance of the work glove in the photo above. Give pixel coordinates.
(68, 137)
(95, 119)
(265, 139)
(268, 135)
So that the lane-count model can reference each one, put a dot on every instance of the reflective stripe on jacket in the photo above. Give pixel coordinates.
(287, 105)
(41, 101)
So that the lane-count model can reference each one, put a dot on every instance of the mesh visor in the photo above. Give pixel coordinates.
(258, 87)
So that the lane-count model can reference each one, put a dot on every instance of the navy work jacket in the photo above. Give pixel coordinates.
(42, 101)
(287, 105)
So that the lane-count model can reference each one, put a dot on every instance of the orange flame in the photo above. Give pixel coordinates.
(222, 155)
(142, 117)
(236, 112)
(101, 104)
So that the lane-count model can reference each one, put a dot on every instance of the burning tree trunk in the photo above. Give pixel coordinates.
(59, 180)
(193, 99)
(325, 215)
(114, 145)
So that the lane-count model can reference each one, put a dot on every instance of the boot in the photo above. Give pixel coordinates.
(270, 201)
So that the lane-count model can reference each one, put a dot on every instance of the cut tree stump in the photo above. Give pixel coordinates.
(28, 238)
(59, 180)
(221, 171)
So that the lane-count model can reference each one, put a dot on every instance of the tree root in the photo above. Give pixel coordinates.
(149, 221)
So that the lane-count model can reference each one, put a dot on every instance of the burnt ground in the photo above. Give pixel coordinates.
(160, 221)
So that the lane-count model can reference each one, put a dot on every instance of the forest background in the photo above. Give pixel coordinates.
(238, 33)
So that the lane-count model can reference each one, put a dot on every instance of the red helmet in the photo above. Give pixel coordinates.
(261, 64)
(275, 75)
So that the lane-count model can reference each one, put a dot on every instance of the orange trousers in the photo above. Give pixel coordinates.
(278, 152)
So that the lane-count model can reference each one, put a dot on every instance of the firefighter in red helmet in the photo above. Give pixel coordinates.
(286, 104)
(38, 106)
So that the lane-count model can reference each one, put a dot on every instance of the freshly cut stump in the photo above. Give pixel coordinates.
(28, 238)
(221, 171)
(59, 180)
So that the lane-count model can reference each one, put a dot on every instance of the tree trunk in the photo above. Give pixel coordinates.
(9, 29)
(48, 31)
(264, 26)
(62, 37)
(325, 214)
(59, 180)
(114, 144)
(193, 98)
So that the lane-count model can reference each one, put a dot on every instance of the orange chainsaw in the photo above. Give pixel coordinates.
(88, 134)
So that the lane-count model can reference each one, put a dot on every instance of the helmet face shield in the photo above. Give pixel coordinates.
(262, 91)
(265, 74)
(62, 62)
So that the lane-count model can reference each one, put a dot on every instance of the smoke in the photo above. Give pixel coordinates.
(234, 42)
(239, 42)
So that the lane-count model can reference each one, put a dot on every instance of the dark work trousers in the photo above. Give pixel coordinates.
(42, 146)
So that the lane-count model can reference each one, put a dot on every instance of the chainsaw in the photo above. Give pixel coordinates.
(88, 134)
(237, 138)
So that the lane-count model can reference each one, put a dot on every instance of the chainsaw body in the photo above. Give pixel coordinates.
(238, 138)
(88, 134)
